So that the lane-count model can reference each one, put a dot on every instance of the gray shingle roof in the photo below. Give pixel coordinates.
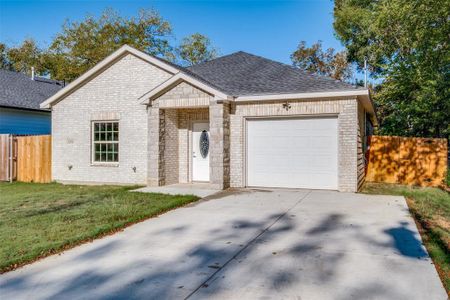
(241, 74)
(18, 90)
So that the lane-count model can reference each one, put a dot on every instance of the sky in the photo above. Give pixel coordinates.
(271, 29)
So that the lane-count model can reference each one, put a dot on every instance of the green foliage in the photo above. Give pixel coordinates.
(448, 178)
(23, 57)
(406, 44)
(195, 49)
(81, 45)
(329, 63)
(40, 219)
(4, 61)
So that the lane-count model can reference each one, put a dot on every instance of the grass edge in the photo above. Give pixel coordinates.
(100, 234)
(429, 237)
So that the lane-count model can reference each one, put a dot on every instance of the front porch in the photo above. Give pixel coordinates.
(177, 120)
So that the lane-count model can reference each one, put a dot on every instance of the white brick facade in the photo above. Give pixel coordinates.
(113, 94)
(219, 120)
(184, 95)
(155, 141)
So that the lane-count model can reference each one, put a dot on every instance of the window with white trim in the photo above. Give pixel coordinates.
(105, 142)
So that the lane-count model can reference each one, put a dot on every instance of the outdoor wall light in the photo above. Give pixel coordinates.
(287, 106)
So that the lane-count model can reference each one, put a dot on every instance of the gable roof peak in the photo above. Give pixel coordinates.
(104, 64)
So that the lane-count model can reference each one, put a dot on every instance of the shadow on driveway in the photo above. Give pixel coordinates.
(215, 250)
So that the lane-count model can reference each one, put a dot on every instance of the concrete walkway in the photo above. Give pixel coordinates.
(247, 244)
(197, 189)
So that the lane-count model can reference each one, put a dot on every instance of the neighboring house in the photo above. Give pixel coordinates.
(238, 120)
(20, 96)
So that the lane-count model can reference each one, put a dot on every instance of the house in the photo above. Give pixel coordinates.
(238, 120)
(20, 96)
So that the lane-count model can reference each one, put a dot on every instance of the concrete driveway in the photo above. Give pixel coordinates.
(248, 244)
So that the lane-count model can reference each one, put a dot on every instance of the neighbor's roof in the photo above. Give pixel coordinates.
(19, 91)
(242, 74)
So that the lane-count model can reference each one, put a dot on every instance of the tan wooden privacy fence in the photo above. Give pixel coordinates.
(410, 161)
(34, 158)
(30, 158)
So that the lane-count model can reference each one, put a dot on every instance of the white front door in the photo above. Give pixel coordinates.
(293, 153)
(200, 152)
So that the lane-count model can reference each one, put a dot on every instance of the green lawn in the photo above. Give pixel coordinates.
(431, 209)
(40, 219)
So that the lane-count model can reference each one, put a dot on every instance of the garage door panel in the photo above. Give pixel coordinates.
(293, 153)
(317, 142)
(321, 164)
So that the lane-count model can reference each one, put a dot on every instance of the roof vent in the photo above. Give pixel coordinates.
(32, 73)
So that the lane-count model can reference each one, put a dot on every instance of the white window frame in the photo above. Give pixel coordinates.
(94, 142)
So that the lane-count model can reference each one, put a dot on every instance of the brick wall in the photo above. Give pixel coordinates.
(113, 94)
(154, 141)
(184, 95)
(219, 160)
(180, 107)
(171, 146)
(169, 151)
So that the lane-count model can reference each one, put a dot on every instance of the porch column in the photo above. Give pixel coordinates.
(155, 146)
(219, 159)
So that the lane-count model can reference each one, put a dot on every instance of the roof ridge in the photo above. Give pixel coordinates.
(175, 65)
(216, 59)
(15, 72)
(201, 78)
(285, 65)
(188, 72)
(303, 71)
(36, 78)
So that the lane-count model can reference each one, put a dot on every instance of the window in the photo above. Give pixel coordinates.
(105, 142)
(204, 144)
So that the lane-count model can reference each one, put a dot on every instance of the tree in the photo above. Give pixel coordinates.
(4, 62)
(24, 57)
(81, 45)
(406, 44)
(329, 63)
(195, 49)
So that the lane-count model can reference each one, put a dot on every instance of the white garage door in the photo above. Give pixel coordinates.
(292, 153)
